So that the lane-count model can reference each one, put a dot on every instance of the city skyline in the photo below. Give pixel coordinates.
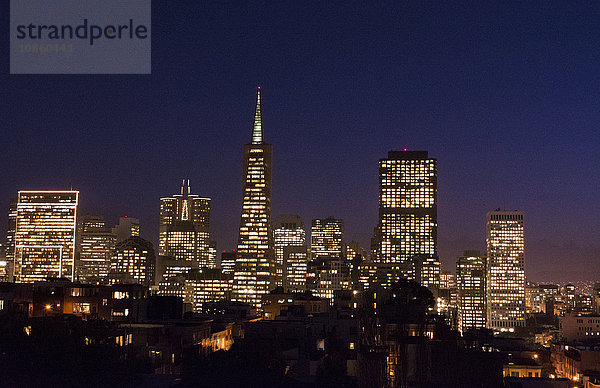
(508, 110)
(447, 262)
(300, 194)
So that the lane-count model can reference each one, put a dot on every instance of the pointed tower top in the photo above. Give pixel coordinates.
(257, 132)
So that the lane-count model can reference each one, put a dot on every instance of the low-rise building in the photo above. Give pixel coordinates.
(580, 328)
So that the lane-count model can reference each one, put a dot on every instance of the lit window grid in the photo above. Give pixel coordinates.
(506, 284)
(255, 269)
(95, 251)
(471, 288)
(179, 212)
(407, 209)
(327, 237)
(135, 262)
(327, 276)
(295, 271)
(206, 290)
(284, 237)
(45, 224)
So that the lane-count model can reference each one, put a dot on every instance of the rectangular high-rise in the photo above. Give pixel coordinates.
(288, 231)
(10, 241)
(327, 238)
(471, 288)
(295, 267)
(184, 227)
(127, 227)
(255, 272)
(407, 207)
(45, 235)
(95, 245)
(133, 261)
(506, 270)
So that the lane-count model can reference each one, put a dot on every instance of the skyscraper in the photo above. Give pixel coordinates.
(326, 275)
(427, 272)
(506, 270)
(184, 227)
(127, 227)
(255, 261)
(227, 263)
(327, 238)
(45, 235)
(95, 244)
(10, 241)
(295, 267)
(407, 207)
(207, 285)
(133, 261)
(471, 288)
(288, 231)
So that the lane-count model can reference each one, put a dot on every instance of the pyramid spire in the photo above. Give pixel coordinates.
(257, 132)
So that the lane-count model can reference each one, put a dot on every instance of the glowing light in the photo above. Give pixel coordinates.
(48, 307)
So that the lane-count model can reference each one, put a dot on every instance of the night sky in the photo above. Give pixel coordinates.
(506, 97)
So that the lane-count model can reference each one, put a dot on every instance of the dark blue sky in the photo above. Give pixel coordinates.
(506, 96)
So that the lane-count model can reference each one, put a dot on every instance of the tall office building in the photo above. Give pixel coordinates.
(127, 227)
(327, 238)
(447, 301)
(133, 261)
(5, 275)
(326, 275)
(9, 252)
(212, 254)
(255, 261)
(506, 270)
(207, 285)
(171, 275)
(227, 263)
(407, 207)
(355, 256)
(95, 244)
(184, 227)
(288, 231)
(295, 267)
(45, 235)
(471, 289)
(427, 272)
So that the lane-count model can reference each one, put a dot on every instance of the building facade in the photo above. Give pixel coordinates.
(133, 261)
(9, 251)
(255, 256)
(184, 230)
(95, 245)
(506, 270)
(207, 285)
(326, 275)
(295, 267)
(127, 227)
(471, 288)
(327, 238)
(45, 235)
(288, 231)
(407, 207)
